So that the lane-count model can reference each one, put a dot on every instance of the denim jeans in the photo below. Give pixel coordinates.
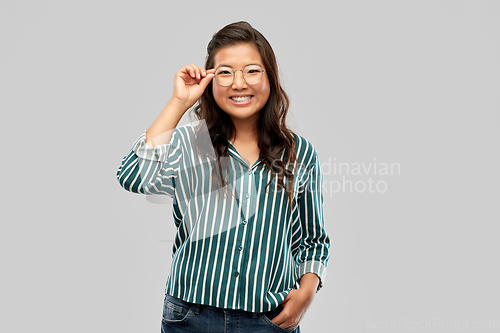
(180, 316)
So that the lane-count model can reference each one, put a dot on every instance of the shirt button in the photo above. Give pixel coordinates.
(244, 221)
(248, 195)
(236, 274)
(249, 172)
(240, 248)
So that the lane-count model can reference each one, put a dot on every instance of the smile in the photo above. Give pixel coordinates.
(241, 100)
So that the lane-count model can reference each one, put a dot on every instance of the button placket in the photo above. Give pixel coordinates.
(250, 197)
(242, 238)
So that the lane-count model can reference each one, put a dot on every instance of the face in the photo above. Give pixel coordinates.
(237, 57)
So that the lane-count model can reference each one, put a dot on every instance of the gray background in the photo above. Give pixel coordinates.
(409, 82)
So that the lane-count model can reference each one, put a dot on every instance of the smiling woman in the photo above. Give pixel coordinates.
(239, 99)
(253, 260)
(256, 128)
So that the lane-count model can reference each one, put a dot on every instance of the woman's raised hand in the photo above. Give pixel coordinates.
(190, 82)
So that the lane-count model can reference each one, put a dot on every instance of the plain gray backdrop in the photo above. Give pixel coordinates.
(412, 83)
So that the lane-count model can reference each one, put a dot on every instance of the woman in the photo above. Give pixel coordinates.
(251, 249)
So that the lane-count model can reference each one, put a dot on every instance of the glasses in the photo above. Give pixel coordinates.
(251, 73)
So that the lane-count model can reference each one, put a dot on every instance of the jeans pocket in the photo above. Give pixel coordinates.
(175, 310)
(268, 316)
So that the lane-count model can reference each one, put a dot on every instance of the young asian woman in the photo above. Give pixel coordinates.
(251, 260)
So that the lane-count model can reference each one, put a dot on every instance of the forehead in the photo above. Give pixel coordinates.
(238, 55)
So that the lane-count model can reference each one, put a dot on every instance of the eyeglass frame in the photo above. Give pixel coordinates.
(242, 73)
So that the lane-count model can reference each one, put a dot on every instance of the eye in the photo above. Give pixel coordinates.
(254, 71)
(223, 72)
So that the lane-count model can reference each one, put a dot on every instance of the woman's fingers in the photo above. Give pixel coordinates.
(202, 72)
(190, 83)
(205, 72)
(208, 74)
(206, 80)
(192, 70)
(197, 74)
(198, 71)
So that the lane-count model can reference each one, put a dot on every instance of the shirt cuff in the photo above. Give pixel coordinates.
(158, 153)
(315, 267)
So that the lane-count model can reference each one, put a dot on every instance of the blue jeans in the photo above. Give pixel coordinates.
(180, 316)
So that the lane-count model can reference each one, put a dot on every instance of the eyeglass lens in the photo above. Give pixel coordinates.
(252, 74)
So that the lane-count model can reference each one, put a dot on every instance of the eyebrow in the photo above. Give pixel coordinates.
(224, 65)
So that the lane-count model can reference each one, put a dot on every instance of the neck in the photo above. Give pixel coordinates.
(247, 130)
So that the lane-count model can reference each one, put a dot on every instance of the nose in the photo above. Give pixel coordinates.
(239, 82)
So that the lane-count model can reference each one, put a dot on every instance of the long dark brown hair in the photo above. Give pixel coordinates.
(275, 139)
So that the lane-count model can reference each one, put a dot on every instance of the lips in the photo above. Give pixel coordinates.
(241, 98)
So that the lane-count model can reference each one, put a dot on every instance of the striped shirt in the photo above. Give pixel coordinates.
(242, 251)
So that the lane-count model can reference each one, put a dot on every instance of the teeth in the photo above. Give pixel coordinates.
(241, 99)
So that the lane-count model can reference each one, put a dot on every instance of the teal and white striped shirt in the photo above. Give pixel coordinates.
(237, 254)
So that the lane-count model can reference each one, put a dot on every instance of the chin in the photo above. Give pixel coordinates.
(240, 114)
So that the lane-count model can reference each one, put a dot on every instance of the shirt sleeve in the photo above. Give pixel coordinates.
(315, 242)
(151, 170)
